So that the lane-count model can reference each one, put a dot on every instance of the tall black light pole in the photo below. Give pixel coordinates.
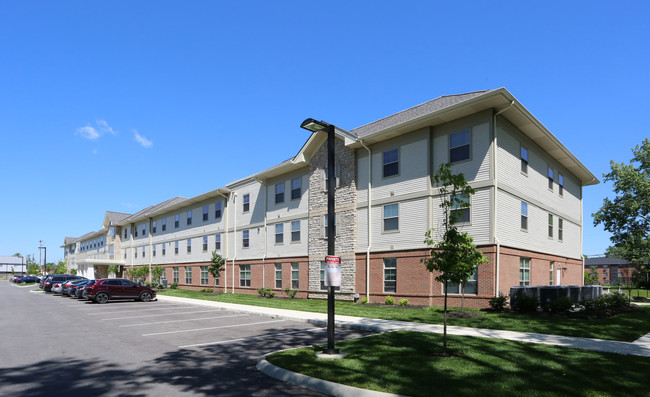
(315, 126)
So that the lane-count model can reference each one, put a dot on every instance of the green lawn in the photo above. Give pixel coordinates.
(624, 327)
(404, 363)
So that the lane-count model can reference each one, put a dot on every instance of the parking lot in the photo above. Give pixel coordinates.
(57, 345)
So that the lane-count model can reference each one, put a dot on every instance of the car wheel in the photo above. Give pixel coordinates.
(101, 297)
(145, 296)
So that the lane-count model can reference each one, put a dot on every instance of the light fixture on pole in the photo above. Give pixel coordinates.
(316, 126)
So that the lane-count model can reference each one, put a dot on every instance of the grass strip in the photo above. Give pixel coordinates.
(626, 327)
(404, 363)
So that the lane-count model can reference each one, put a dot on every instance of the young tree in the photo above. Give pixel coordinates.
(157, 272)
(627, 216)
(216, 265)
(591, 277)
(453, 254)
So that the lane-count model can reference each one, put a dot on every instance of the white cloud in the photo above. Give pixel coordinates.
(104, 127)
(142, 140)
(88, 132)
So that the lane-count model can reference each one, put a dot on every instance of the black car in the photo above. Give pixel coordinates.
(81, 286)
(49, 282)
(29, 279)
(70, 287)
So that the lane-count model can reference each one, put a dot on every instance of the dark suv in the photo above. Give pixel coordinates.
(106, 289)
(50, 280)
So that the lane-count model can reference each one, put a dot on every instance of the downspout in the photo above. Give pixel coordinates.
(150, 253)
(369, 219)
(225, 270)
(496, 197)
(234, 202)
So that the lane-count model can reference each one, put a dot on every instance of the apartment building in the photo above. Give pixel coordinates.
(526, 215)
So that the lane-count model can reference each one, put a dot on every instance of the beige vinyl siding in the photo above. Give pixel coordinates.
(477, 168)
(412, 226)
(479, 225)
(288, 248)
(288, 207)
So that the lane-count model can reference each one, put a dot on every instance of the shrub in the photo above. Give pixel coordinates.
(403, 302)
(595, 305)
(207, 290)
(525, 303)
(389, 300)
(498, 303)
(265, 292)
(174, 286)
(291, 293)
(561, 305)
(617, 299)
(364, 300)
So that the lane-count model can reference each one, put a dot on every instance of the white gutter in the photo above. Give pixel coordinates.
(369, 218)
(225, 270)
(496, 197)
(266, 236)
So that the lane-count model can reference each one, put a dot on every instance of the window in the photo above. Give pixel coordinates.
(560, 229)
(153, 227)
(322, 277)
(391, 162)
(244, 275)
(560, 183)
(470, 287)
(391, 217)
(327, 225)
(217, 241)
(247, 203)
(189, 245)
(135, 231)
(144, 229)
(217, 210)
(524, 160)
(296, 188)
(111, 231)
(175, 275)
(135, 252)
(205, 212)
(460, 209)
(336, 176)
(176, 247)
(278, 275)
(295, 275)
(204, 275)
(205, 243)
(177, 221)
(295, 231)
(189, 217)
(459, 146)
(164, 224)
(164, 249)
(245, 238)
(279, 193)
(153, 250)
(550, 178)
(524, 215)
(188, 274)
(551, 266)
(279, 233)
(143, 251)
(550, 226)
(390, 275)
(524, 271)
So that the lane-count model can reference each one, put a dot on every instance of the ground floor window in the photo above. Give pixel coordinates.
(295, 275)
(524, 271)
(244, 275)
(278, 275)
(188, 274)
(470, 287)
(175, 275)
(204, 275)
(390, 274)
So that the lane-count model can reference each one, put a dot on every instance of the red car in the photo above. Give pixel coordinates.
(106, 289)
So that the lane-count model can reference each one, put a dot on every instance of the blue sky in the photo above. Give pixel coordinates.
(176, 98)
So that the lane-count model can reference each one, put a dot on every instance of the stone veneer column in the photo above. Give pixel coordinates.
(346, 219)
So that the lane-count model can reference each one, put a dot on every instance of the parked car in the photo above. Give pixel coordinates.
(107, 289)
(70, 287)
(80, 290)
(29, 279)
(16, 278)
(50, 282)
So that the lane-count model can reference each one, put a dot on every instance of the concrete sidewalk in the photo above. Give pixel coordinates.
(640, 347)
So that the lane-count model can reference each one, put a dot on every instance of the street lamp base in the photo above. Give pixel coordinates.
(331, 354)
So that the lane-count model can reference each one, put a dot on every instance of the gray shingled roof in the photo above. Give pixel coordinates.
(69, 240)
(415, 112)
(155, 207)
(605, 261)
(116, 217)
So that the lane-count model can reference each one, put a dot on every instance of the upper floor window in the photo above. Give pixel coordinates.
(460, 209)
(246, 203)
(205, 212)
(153, 250)
(189, 245)
(391, 162)
(391, 217)
(524, 215)
(336, 177)
(176, 247)
(295, 231)
(560, 184)
(143, 250)
(524, 160)
(279, 233)
(153, 227)
(111, 231)
(550, 225)
(144, 229)
(164, 224)
(217, 242)
(126, 234)
(245, 238)
(296, 188)
(550, 178)
(217, 210)
(205, 243)
(459, 146)
(279, 193)
(327, 225)
(560, 229)
(189, 217)
(135, 231)
(177, 221)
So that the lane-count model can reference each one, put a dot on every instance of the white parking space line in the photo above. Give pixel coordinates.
(223, 342)
(160, 314)
(132, 311)
(178, 321)
(93, 307)
(209, 328)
